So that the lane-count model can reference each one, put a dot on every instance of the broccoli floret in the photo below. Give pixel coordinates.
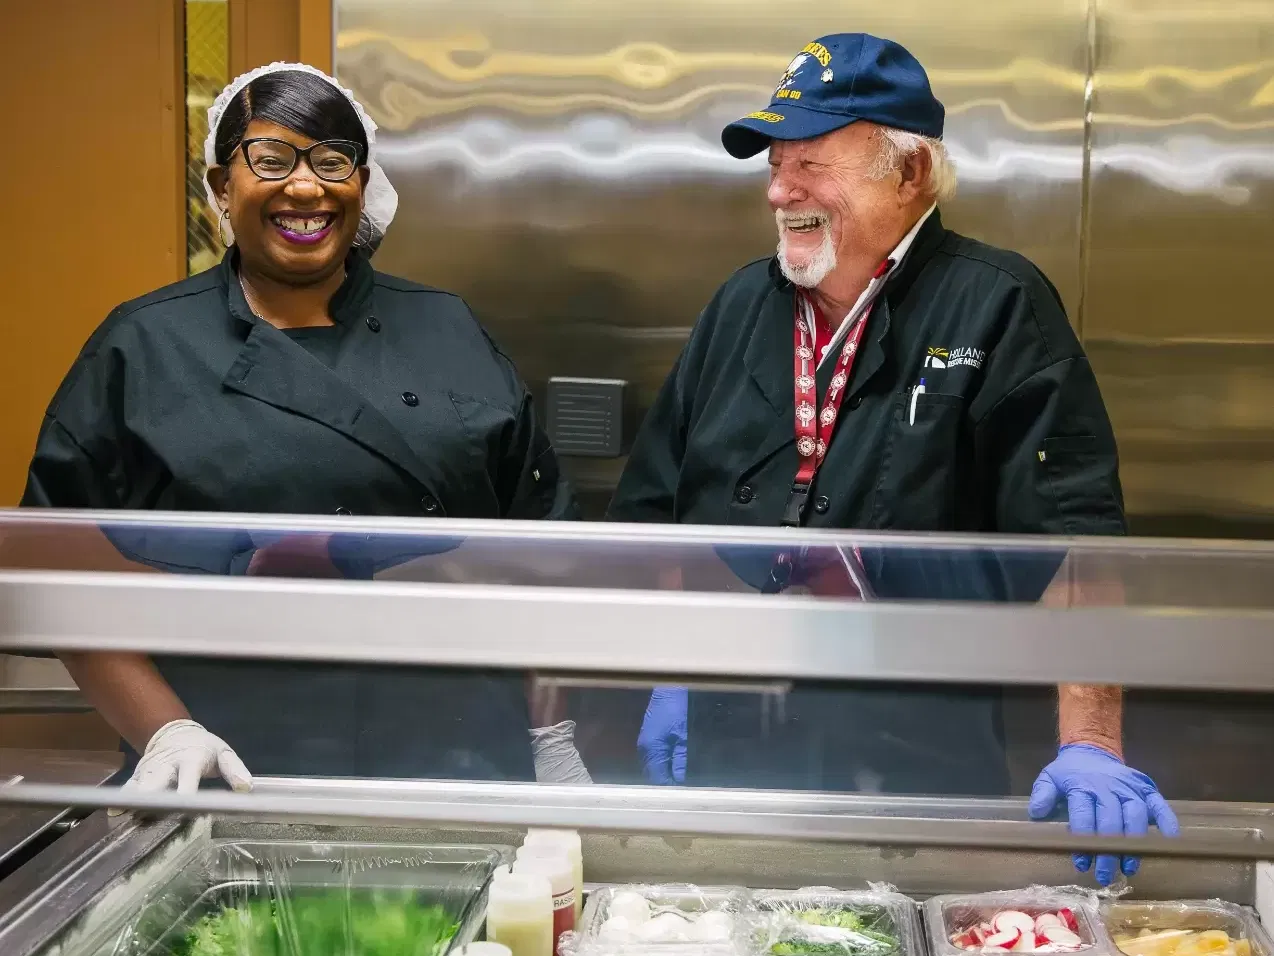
(837, 932)
(322, 925)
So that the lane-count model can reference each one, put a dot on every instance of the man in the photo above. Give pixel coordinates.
(883, 372)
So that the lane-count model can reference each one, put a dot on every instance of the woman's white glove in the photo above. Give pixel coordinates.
(556, 759)
(183, 753)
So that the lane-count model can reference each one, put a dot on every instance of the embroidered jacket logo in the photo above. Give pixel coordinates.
(966, 356)
(954, 358)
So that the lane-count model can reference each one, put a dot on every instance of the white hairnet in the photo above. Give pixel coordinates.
(380, 201)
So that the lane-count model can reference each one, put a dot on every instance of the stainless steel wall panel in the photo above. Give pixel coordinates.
(1181, 227)
(560, 167)
(559, 163)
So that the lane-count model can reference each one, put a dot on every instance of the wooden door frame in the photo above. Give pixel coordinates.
(172, 50)
(316, 21)
(263, 31)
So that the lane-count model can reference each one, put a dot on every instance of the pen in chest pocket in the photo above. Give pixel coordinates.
(916, 392)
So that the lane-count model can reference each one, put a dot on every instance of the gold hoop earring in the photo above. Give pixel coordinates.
(221, 232)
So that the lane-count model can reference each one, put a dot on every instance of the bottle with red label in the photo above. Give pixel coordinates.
(560, 874)
(560, 842)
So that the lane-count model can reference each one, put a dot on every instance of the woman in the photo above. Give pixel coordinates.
(293, 378)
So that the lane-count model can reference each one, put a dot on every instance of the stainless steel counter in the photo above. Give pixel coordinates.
(20, 825)
(761, 839)
(42, 700)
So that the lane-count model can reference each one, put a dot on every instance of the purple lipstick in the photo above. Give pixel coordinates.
(304, 228)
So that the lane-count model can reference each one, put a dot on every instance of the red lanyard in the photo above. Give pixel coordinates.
(814, 431)
(815, 425)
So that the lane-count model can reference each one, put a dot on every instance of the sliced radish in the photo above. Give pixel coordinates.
(1047, 919)
(1013, 919)
(964, 940)
(1062, 936)
(979, 934)
(1067, 916)
(1005, 940)
(1026, 944)
(1041, 940)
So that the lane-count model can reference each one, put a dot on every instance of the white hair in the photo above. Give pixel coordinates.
(894, 146)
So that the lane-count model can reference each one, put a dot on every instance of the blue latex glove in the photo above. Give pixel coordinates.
(1105, 796)
(662, 740)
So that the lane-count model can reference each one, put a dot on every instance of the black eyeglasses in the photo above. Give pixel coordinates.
(333, 160)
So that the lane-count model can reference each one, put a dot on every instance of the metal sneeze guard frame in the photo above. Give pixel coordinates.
(735, 635)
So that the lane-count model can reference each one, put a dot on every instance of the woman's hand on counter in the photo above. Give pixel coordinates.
(181, 754)
(1105, 796)
(556, 759)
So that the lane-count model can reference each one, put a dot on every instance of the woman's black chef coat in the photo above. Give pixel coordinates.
(1010, 435)
(183, 400)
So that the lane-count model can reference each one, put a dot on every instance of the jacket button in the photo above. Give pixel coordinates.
(342, 510)
(743, 494)
(821, 504)
(429, 503)
(855, 402)
(373, 323)
(410, 399)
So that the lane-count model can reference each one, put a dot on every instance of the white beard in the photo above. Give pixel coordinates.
(809, 274)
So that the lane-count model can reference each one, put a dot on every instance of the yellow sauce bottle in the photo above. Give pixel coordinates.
(520, 913)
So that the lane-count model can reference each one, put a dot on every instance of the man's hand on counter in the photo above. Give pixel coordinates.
(662, 740)
(182, 753)
(1103, 795)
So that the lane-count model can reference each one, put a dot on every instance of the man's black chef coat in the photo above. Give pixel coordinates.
(183, 400)
(1010, 435)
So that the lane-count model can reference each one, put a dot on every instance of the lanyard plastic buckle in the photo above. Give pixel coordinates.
(794, 510)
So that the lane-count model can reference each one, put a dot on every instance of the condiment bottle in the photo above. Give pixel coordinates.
(568, 841)
(560, 874)
(486, 949)
(520, 913)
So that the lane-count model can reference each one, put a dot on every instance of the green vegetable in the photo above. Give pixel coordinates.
(836, 932)
(806, 948)
(322, 925)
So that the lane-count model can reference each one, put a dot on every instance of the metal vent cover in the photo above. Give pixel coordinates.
(586, 415)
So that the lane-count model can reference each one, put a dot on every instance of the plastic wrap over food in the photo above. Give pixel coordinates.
(1037, 919)
(312, 899)
(665, 920)
(1184, 928)
(723, 921)
(825, 922)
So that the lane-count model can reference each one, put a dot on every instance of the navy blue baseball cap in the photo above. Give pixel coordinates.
(838, 80)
